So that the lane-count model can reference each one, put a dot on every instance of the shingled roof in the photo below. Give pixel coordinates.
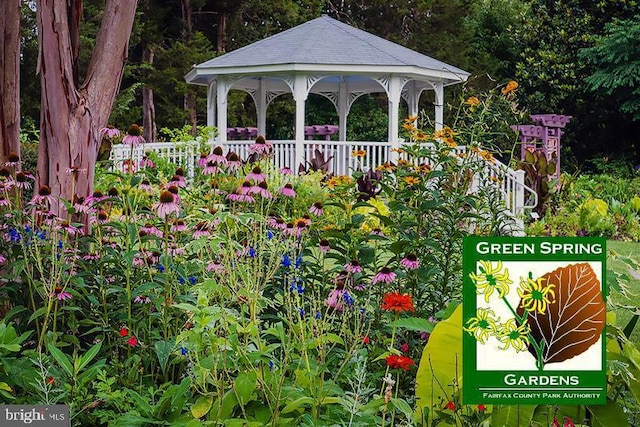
(320, 42)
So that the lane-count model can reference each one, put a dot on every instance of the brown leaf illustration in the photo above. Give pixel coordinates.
(574, 321)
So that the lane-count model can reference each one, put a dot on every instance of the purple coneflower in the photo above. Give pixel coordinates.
(68, 227)
(109, 132)
(286, 171)
(22, 180)
(233, 161)
(13, 160)
(150, 229)
(287, 191)
(384, 275)
(178, 181)
(167, 205)
(256, 175)
(277, 223)
(202, 161)
(335, 299)
(261, 189)
(133, 136)
(128, 166)
(60, 294)
(216, 156)
(236, 196)
(145, 186)
(2, 259)
(260, 146)
(316, 208)
(353, 267)
(245, 188)
(142, 299)
(215, 268)
(410, 262)
(201, 230)
(210, 168)
(324, 245)
(3, 200)
(146, 162)
(178, 225)
(44, 196)
(96, 197)
(173, 189)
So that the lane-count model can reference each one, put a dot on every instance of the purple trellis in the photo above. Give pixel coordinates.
(543, 135)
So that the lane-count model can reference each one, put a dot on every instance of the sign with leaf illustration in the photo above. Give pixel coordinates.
(534, 319)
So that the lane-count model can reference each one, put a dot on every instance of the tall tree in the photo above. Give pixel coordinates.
(72, 112)
(9, 78)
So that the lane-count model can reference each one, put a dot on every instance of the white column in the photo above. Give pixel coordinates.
(413, 98)
(439, 92)
(343, 111)
(211, 104)
(261, 107)
(394, 105)
(300, 96)
(221, 98)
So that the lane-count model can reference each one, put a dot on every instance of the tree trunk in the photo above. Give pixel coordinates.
(72, 114)
(222, 32)
(148, 106)
(9, 78)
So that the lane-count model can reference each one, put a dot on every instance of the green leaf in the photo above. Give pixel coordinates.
(202, 406)
(512, 415)
(296, 404)
(415, 324)
(62, 359)
(609, 415)
(88, 357)
(245, 385)
(402, 406)
(163, 351)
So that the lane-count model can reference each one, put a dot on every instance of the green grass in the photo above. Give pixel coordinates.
(616, 249)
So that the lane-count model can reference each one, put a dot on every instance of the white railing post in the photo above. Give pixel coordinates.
(519, 192)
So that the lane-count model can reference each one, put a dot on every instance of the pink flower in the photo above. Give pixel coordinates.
(217, 157)
(133, 136)
(109, 132)
(216, 268)
(353, 267)
(233, 161)
(44, 197)
(210, 168)
(60, 294)
(178, 225)
(286, 171)
(202, 161)
(177, 181)
(287, 191)
(410, 262)
(261, 146)
(2, 259)
(335, 299)
(142, 299)
(167, 205)
(261, 189)
(384, 275)
(146, 162)
(404, 348)
(256, 175)
(133, 341)
(245, 188)
(150, 229)
(316, 208)
(237, 197)
(324, 245)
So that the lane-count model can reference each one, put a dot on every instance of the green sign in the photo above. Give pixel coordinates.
(534, 319)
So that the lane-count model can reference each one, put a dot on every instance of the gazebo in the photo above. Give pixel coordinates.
(326, 57)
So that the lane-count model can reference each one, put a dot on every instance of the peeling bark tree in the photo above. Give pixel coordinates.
(9, 78)
(72, 112)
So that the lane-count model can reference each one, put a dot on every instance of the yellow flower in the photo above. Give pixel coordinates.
(450, 142)
(510, 334)
(411, 119)
(491, 278)
(535, 296)
(445, 132)
(358, 153)
(472, 101)
(510, 87)
(409, 126)
(380, 206)
(487, 156)
(421, 136)
(398, 150)
(482, 325)
(387, 167)
(411, 180)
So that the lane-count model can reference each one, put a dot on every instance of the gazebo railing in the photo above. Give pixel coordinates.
(342, 158)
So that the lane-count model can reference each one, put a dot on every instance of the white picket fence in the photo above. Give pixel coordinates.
(517, 196)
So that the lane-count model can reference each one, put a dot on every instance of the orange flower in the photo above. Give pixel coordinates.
(487, 156)
(411, 180)
(510, 87)
(411, 119)
(399, 362)
(450, 142)
(395, 301)
(387, 167)
(358, 153)
(472, 101)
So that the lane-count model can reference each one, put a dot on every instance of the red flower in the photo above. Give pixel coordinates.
(450, 405)
(555, 422)
(124, 332)
(133, 341)
(399, 362)
(404, 348)
(568, 423)
(481, 407)
(395, 301)
(366, 340)
(50, 380)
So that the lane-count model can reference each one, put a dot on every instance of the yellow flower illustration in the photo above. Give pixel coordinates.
(510, 334)
(482, 325)
(491, 278)
(535, 296)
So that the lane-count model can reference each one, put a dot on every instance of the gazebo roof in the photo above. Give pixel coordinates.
(325, 45)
